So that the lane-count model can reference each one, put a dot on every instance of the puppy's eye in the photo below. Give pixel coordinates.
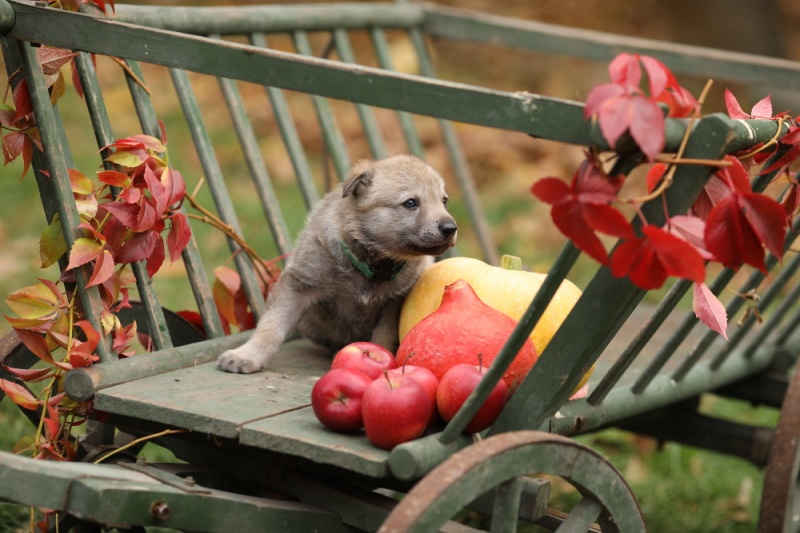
(410, 203)
(444, 200)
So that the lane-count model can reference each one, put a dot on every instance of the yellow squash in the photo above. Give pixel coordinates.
(507, 289)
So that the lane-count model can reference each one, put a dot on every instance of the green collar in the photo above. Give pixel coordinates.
(368, 271)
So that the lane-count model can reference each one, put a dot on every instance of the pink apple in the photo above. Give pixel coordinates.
(369, 358)
(426, 378)
(396, 409)
(457, 384)
(336, 399)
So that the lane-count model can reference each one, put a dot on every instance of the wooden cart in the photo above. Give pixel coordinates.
(252, 456)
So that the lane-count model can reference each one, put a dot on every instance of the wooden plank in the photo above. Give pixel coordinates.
(550, 118)
(299, 433)
(205, 399)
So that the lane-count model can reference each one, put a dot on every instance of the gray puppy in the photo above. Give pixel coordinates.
(363, 247)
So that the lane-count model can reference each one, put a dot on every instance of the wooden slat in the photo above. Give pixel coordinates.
(206, 399)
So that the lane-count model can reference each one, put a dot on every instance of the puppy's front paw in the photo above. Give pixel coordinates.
(242, 360)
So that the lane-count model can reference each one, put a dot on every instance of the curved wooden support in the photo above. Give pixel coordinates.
(498, 463)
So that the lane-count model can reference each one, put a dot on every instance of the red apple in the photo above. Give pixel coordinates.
(336, 399)
(457, 384)
(396, 409)
(425, 377)
(369, 358)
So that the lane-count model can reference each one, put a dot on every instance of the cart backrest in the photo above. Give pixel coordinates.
(242, 51)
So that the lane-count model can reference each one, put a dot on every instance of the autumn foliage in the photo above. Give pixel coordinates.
(729, 222)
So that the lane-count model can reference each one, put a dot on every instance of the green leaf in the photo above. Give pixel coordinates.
(33, 302)
(125, 158)
(79, 183)
(52, 245)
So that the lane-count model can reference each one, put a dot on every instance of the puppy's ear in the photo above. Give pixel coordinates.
(360, 176)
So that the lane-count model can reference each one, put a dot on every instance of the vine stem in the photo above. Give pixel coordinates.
(210, 218)
(673, 162)
(132, 74)
(139, 440)
(769, 143)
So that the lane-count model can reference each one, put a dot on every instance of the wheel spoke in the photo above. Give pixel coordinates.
(582, 518)
(505, 512)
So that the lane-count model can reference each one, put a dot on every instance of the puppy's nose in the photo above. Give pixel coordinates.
(447, 228)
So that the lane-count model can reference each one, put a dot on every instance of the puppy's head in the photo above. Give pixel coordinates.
(397, 207)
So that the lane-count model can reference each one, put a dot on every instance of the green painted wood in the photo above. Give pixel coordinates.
(56, 157)
(7, 16)
(291, 139)
(120, 496)
(459, 24)
(192, 261)
(505, 512)
(582, 516)
(216, 184)
(101, 125)
(272, 18)
(371, 128)
(606, 302)
(331, 133)
(81, 384)
(203, 398)
(543, 117)
(384, 56)
(255, 162)
(299, 433)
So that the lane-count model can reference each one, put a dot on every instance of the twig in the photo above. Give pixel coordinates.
(132, 74)
(139, 440)
(767, 144)
(666, 181)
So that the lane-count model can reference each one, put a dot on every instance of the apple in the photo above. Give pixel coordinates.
(396, 409)
(369, 358)
(336, 399)
(424, 377)
(457, 384)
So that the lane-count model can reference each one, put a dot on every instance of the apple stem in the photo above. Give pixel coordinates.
(406, 362)
(386, 376)
(480, 362)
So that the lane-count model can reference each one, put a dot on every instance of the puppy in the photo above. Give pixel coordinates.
(364, 246)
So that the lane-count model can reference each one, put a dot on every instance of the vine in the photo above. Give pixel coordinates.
(729, 223)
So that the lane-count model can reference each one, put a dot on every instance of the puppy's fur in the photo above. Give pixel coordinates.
(387, 213)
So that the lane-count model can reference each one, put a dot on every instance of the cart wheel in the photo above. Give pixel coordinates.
(780, 501)
(497, 464)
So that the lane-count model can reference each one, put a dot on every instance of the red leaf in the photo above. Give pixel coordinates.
(114, 178)
(691, 229)
(179, 235)
(156, 259)
(714, 191)
(13, 143)
(103, 269)
(22, 101)
(767, 219)
(763, 108)
(115, 233)
(36, 343)
(599, 95)
(625, 70)
(735, 176)
(582, 208)
(138, 248)
(174, 185)
(52, 59)
(30, 375)
(730, 237)
(646, 125)
(147, 215)
(125, 213)
(19, 395)
(157, 191)
(709, 309)
(735, 111)
(681, 102)
(658, 73)
(654, 176)
(226, 284)
(648, 260)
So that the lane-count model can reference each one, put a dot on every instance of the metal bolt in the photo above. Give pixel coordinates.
(160, 510)
(189, 481)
